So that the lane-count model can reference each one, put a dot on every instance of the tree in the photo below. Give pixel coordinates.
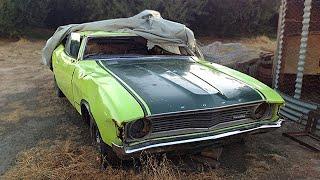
(206, 17)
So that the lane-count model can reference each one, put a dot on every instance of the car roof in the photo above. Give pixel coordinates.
(104, 34)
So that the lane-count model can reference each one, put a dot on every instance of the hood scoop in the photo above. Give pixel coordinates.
(190, 82)
(176, 85)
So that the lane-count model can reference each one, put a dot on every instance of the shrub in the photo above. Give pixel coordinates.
(206, 17)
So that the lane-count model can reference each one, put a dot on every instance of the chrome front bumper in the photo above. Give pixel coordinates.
(162, 144)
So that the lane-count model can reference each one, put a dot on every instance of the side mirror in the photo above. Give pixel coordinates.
(75, 40)
(75, 37)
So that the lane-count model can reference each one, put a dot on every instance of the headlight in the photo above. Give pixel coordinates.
(139, 129)
(262, 111)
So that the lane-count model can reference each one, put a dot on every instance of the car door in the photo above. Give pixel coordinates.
(66, 63)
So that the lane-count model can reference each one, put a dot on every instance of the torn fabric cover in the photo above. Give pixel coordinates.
(148, 24)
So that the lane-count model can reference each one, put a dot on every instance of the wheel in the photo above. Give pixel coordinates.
(58, 91)
(107, 155)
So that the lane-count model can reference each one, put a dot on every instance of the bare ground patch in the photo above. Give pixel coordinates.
(262, 43)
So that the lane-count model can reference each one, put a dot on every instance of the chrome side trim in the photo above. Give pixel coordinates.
(127, 150)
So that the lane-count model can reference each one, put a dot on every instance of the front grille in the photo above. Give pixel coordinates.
(198, 120)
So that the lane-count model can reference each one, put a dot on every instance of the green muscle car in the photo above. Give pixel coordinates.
(138, 98)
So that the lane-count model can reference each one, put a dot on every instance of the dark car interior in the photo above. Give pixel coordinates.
(124, 46)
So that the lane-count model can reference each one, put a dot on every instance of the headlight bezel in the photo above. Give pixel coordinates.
(138, 129)
(262, 112)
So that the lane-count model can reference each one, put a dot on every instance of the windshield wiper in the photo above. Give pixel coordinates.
(92, 54)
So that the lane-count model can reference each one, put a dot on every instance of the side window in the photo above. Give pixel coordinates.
(73, 45)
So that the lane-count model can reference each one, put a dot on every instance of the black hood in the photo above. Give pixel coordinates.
(168, 85)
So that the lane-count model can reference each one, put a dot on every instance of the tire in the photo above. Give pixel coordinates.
(107, 155)
(57, 90)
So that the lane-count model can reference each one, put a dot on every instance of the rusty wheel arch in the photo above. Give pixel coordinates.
(86, 112)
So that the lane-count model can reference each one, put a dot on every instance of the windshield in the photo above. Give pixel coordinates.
(129, 46)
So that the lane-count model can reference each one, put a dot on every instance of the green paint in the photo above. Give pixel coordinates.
(108, 100)
(270, 95)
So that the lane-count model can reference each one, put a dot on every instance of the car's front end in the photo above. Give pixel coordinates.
(195, 129)
(191, 104)
(180, 102)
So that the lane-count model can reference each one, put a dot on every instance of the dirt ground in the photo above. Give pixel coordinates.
(42, 136)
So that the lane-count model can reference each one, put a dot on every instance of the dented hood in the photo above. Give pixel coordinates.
(181, 84)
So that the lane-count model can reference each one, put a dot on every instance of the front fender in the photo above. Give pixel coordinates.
(110, 104)
(270, 95)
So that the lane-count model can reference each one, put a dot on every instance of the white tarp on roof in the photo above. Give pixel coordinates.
(148, 24)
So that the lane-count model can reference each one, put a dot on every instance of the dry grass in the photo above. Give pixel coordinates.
(63, 160)
(69, 160)
(154, 169)
(261, 42)
(73, 159)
